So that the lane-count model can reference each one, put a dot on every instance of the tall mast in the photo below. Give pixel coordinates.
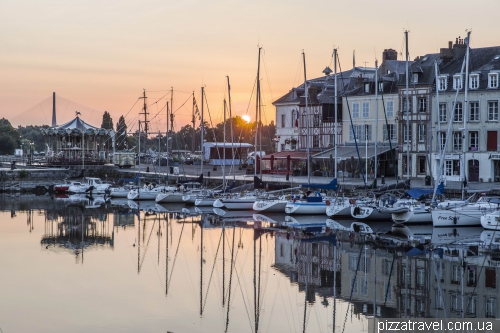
(193, 122)
(466, 105)
(257, 120)
(171, 113)
(376, 121)
(168, 142)
(231, 124)
(307, 120)
(408, 143)
(202, 127)
(336, 109)
(145, 113)
(224, 149)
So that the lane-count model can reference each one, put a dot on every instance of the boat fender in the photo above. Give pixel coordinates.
(356, 210)
(455, 220)
(352, 201)
(328, 202)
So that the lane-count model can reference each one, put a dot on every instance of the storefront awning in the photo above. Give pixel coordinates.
(283, 155)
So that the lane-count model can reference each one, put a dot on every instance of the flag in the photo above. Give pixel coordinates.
(297, 119)
(196, 110)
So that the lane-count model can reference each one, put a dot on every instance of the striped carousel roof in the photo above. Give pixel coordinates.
(75, 127)
(76, 123)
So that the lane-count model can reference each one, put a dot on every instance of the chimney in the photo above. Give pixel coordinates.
(459, 48)
(54, 122)
(446, 54)
(388, 54)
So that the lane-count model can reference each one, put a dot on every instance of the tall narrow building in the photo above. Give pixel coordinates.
(54, 122)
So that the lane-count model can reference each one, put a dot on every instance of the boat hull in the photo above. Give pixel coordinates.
(270, 205)
(456, 217)
(369, 213)
(305, 208)
(413, 216)
(491, 221)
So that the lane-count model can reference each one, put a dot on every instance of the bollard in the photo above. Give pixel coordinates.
(382, 179)
(287, 176)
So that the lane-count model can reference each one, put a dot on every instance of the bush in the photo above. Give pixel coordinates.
(23, 173)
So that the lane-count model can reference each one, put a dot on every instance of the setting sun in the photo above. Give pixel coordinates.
(246, 118)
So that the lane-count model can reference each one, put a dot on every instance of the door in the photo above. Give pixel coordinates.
(473, 170)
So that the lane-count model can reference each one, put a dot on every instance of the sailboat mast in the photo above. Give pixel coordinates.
(257, 101)
(224, 149)
(407, 133)
(465, 108)
(202, 127)
(145, 113)
(336, 109)
(193, 122)
(231, 124)
(307, 120)
(376, 121)
(168, 138)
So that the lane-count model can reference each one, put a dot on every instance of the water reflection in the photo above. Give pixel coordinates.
(240, 271)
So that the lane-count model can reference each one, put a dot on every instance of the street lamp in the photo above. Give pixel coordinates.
(31, 152)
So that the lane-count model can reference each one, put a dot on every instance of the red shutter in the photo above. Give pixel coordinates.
(492, 140)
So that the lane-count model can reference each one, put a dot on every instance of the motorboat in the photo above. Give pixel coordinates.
(120, 191)
(90, 185)
(491, 220)
(64, 187)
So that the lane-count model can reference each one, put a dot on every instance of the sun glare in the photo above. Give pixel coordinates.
(246, 118)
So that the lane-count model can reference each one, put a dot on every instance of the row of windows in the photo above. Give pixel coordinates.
(363, 110)
(474, 111)
(473, 140)
(473, 81)
(364, 132)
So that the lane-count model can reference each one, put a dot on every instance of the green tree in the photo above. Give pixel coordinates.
(107, 121)
(9, 137)
(121, 133)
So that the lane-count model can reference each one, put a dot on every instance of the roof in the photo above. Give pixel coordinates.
(294, 155)
(76, 123)
(345, 152)
(227, 144)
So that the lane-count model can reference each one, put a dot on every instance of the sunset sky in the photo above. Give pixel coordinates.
(102, 54)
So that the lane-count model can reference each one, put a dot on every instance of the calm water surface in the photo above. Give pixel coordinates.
(141, 268)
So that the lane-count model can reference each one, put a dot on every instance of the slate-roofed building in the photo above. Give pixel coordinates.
(472, 149)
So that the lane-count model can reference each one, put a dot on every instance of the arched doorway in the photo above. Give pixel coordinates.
(473, 170)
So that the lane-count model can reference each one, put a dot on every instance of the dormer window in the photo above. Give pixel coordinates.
(367, 87)
(474, 81)
(493, 80)
(443, 83)
(414, 78)
(457, 82)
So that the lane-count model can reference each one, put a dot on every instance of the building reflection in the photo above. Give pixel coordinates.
(75, 229)
(452, 276)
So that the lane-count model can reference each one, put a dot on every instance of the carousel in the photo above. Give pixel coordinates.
(77, 142)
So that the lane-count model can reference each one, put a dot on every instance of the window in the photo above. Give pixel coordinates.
(361, 133)
(457, 141)
(471, 305)
(457, 82)
(315, 249)
(491, 307)
(304, 119)
(473, 81)
(442, 112)
(422, 133)
(282, 147)
(420, 277)
(474, 111)
(420, 304)
(473, 140)
(439, 300)
(471, 276)
(283, 121)
(443, 83)
(493, 80)
(354, 285)
(493, 110)
(381, 86)
(364, 286)
(294, 146)
(367, 87)
(353, 262)
(448, 171)
(421, 164)
(454, 303)
(332, 140)
(316, 120)
(314, 269)
(386, 267)
(414, 78)
(407, 133)
(458, 112)
(389, 109)
(455, 269)
(441, 140)
(366, 110)
(282, 250)
(389, 132)
(422, 104)
(405, 107)
(406, 275)
(315, 141)
(355, 110)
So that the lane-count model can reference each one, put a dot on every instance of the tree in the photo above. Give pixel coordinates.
(9, 137)
(121, 133)
(107, 121)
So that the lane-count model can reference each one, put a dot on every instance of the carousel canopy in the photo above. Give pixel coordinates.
(75, 127)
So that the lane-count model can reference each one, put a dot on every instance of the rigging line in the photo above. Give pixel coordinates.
(211, 274)
(147, 245)
(267, 76)
(162, 97)
(188, 99)
(175, 256)
(352, 124)
(354, 281)
(230, 281)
